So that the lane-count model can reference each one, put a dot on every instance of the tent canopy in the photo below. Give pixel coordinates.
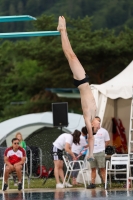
(113, 99)
(27, 124)
(120, 86)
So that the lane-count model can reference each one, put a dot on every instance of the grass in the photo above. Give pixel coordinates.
(50, 183)
(35, 183)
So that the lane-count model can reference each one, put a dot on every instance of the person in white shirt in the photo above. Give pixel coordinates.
(101, 141)
(76, 149)
(63, 142)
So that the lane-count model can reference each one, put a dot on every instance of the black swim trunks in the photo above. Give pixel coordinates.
(56, 153)
(79, 82)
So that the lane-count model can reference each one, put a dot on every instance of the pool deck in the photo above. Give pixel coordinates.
(63, 190)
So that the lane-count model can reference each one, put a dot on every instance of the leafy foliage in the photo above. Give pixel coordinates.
(106, 14)
(27, 67)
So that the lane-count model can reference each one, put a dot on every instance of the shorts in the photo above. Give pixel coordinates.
(56, 153)
(99, 161)
(79, 82)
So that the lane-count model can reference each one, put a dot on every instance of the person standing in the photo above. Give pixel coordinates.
(76, 149)
(101, 141)
(63, 142)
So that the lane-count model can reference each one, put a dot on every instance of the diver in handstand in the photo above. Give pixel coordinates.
(81, 81)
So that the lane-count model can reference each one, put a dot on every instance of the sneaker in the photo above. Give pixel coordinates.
(91, 186)
(68, 185)
(5, 187)
(59, 185)
(19, 186)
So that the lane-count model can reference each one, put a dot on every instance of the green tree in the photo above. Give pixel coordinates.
(27, 67)
(20, 7)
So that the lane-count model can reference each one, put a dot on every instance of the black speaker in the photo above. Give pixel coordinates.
(60, 114)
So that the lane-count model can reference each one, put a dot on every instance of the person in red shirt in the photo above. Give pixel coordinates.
(14, 158)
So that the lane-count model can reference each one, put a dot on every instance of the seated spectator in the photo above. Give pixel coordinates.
(14, 158)
(76, 149)
(22, 143)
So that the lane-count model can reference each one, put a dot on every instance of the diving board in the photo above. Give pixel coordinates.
(29, 34)
(16, 18)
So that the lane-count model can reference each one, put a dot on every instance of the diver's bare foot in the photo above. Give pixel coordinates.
(61, 24)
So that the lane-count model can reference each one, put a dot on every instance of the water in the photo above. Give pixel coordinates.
(78, 194)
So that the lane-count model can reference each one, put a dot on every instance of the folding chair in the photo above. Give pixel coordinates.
(117, 160)
(2, 150)
(24, 172)
(69, 168)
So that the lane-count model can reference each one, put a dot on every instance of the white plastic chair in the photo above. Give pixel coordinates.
(69, 168)
(117, 159)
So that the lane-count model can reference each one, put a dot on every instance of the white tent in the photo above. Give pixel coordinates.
(27, 124)
(113, 99)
